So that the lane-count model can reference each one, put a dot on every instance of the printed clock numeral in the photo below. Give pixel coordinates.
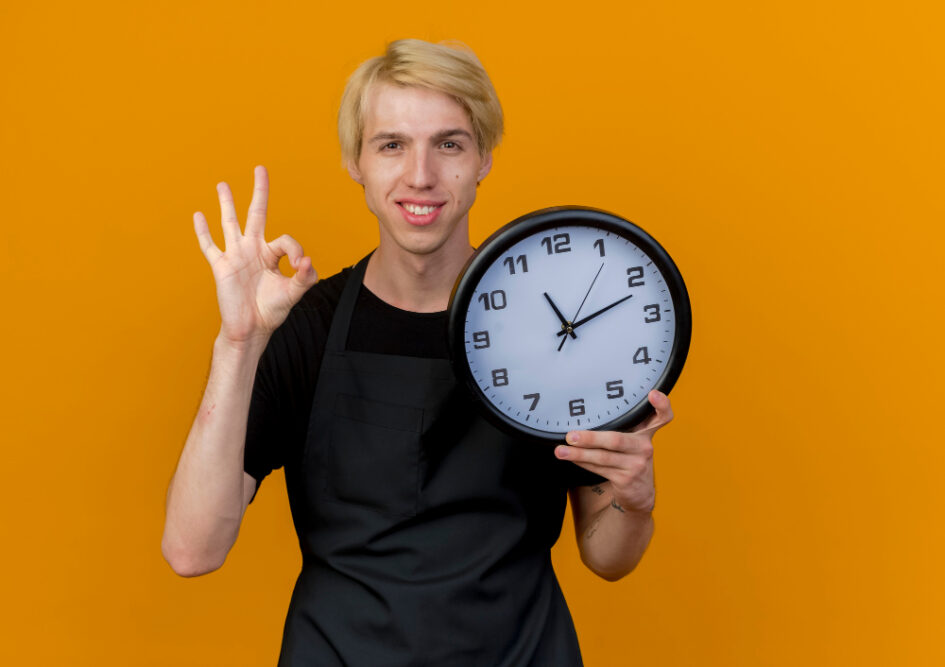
(653, 313)
(577, 407)
(557, 243)
(533, 398)
(494, 300)
(480, 339)
(635, 276)
(510, 262)
(641, 356)
(500, 377)
(615, 389)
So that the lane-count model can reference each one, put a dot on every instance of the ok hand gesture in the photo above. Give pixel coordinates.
(254, 296)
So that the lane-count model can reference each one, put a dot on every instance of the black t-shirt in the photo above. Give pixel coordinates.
(285, 378)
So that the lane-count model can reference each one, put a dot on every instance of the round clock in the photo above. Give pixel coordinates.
(565, 319)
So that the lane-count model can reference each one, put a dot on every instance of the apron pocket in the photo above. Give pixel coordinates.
(374, 455)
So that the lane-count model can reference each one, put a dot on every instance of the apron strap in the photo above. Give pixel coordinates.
(341, 320)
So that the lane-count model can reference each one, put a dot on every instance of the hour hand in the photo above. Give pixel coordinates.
(565, 325)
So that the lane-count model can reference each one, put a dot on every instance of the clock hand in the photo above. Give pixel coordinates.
(582, 305)
(565, 325)
(599, 312)
(588, 291)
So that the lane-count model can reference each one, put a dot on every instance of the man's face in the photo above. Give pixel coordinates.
(419, 166)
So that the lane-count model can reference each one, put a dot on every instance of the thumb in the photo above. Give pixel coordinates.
(662, 415)
(305, 276)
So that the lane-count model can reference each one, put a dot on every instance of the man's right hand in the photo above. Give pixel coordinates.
(254, 296)
(210, 490)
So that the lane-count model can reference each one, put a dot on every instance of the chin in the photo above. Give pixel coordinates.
(420, 241)
(420, 248)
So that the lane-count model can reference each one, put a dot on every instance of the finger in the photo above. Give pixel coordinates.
(256, 217)
(305, 276)
(286, 245)
(606, 458)
(604, 471)
(303, 279)
(207, 246)
(597, 439)
(231, 226)
(615, 441)
(662, 415)
(624, 470)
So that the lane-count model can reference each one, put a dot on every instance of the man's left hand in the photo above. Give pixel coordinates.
(625, 459)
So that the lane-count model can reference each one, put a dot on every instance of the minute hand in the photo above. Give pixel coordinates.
(593, 315)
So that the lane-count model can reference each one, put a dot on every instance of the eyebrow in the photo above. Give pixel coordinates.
(446, 134)
(439, 136)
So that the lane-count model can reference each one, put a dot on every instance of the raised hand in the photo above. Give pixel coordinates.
(253, 295)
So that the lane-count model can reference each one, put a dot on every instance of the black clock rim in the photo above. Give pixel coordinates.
(548, 218)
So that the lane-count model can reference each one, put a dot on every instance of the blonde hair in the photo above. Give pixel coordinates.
(452, 69)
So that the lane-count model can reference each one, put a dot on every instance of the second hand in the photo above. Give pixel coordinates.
(560, 345)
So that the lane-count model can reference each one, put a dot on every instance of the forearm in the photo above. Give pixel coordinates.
(614, 540)
(613, 520)
(205, 496)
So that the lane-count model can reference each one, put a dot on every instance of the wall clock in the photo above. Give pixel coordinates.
(565, 319)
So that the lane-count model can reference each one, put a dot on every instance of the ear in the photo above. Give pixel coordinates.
(485, 167)
(354, 172)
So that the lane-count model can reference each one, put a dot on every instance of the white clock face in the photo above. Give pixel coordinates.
(569, 329)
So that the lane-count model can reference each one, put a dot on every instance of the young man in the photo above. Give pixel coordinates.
(425, 532)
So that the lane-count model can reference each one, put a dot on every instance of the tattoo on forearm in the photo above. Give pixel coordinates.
(613, 503)
(596, 489)
(593, 529)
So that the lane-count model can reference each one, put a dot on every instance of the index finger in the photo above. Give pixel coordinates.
(256, 218)
(605, 448)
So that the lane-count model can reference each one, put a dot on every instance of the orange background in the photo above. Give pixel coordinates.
(789, 155)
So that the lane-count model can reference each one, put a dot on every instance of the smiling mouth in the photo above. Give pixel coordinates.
(418, 209)
(420, 214)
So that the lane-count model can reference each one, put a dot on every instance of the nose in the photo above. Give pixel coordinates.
(421, 172)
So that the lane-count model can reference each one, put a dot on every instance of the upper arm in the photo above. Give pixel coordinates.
(249, 490)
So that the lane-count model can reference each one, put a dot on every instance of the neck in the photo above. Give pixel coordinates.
(418, 283)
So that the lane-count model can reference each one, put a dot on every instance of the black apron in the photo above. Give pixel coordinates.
(425, 531)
